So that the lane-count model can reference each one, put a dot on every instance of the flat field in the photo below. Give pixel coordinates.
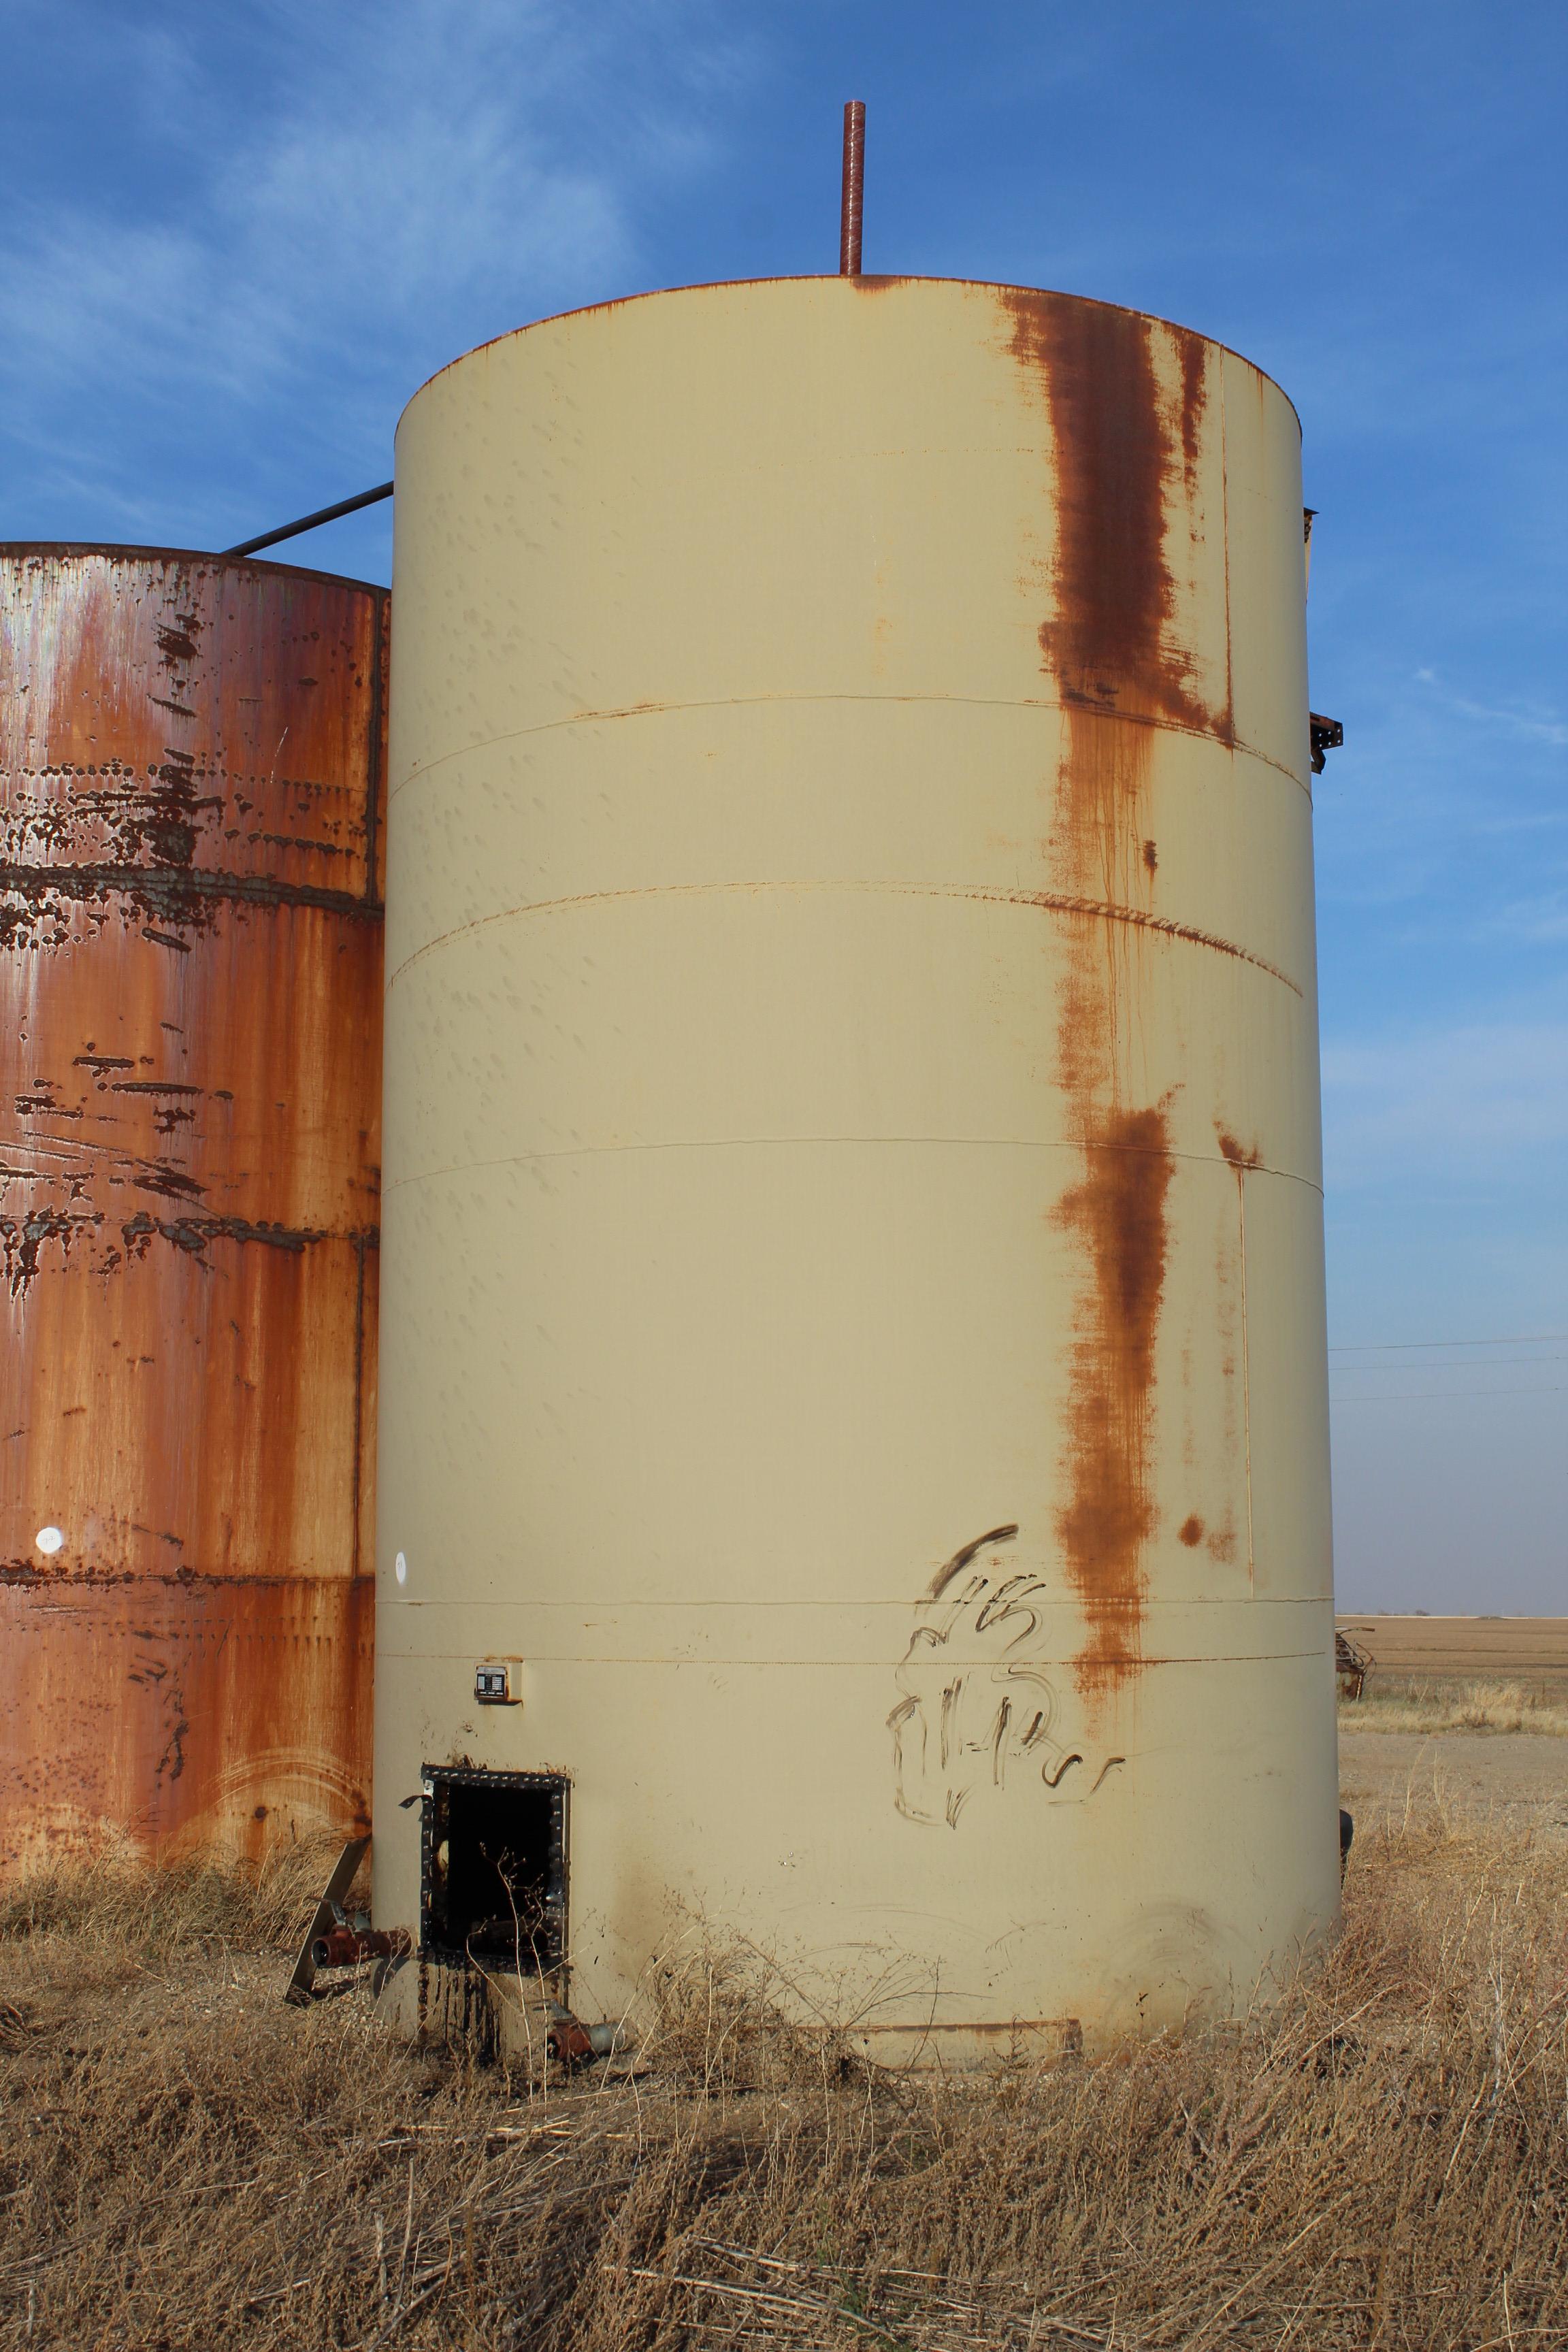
(1498, 1674)
(1532, 1651)
(1374, 2156)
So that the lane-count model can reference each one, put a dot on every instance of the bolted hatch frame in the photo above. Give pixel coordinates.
(539, 1947)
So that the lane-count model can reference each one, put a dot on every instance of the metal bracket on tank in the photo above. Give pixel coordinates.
(1328, 734)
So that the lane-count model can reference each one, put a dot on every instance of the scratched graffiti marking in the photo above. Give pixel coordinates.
(976, 1708)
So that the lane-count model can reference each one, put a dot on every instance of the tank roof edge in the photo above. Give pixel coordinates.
(59, 547)
(872, 282)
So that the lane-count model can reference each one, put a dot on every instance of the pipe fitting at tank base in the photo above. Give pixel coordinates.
(571, 2043)
(347, 1946)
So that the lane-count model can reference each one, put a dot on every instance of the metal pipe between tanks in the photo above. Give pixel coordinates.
(308, 522)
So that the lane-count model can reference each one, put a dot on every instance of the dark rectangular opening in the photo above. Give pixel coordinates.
(493, 1881)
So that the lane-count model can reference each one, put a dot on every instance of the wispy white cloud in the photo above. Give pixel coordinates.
(412, 178)
(1483, 1103)
(1445, 819)
(1538, 726)
(1535, 921)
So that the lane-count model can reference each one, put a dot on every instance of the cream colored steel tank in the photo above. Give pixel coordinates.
(853, 1363)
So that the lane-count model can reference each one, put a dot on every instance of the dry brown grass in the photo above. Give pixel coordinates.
(1381, 2159)
(1419, 1704)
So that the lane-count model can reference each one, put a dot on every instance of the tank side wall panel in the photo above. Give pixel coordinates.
(853, 1256)
(191, 787)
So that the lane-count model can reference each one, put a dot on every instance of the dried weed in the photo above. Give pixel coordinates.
(1415, 1704)
(1378, 2158)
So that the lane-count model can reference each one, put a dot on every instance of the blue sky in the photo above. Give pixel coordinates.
(236, 237)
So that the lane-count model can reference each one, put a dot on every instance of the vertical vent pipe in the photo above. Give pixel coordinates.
(854, 188)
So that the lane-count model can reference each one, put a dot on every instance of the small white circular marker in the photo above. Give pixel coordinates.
(399, 1566)
(49, 1541)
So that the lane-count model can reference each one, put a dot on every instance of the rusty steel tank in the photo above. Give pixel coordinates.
(190, 791)
(853, 1461)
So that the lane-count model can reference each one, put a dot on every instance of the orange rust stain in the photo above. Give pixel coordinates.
(1118, 1217)
(1192, 1530)
(1194, 393)
(156, 1709)
(1239, 1155)
(1126, 442)
(1096, 850)
(1117, 1214)
(1138, 918)
(1126, 460)
(191, 798)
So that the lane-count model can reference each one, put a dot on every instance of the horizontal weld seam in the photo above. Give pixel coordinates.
(814, 1142)
(873, 1664)
(753, 701)
(899, 1601)
(1049, 901)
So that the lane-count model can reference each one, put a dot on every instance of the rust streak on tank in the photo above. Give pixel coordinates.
(1112, 639)
(1193, 395)
(1126, 415)
(1117, 1215)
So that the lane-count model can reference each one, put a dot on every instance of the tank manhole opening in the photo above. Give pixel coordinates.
(493, 1868)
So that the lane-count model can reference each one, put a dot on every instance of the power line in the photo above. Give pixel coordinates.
(1451, 1364)
(1399, 1347)
(1416, 1396)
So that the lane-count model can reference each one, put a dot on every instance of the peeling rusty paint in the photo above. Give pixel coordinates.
(191, 779)
(175, 894)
